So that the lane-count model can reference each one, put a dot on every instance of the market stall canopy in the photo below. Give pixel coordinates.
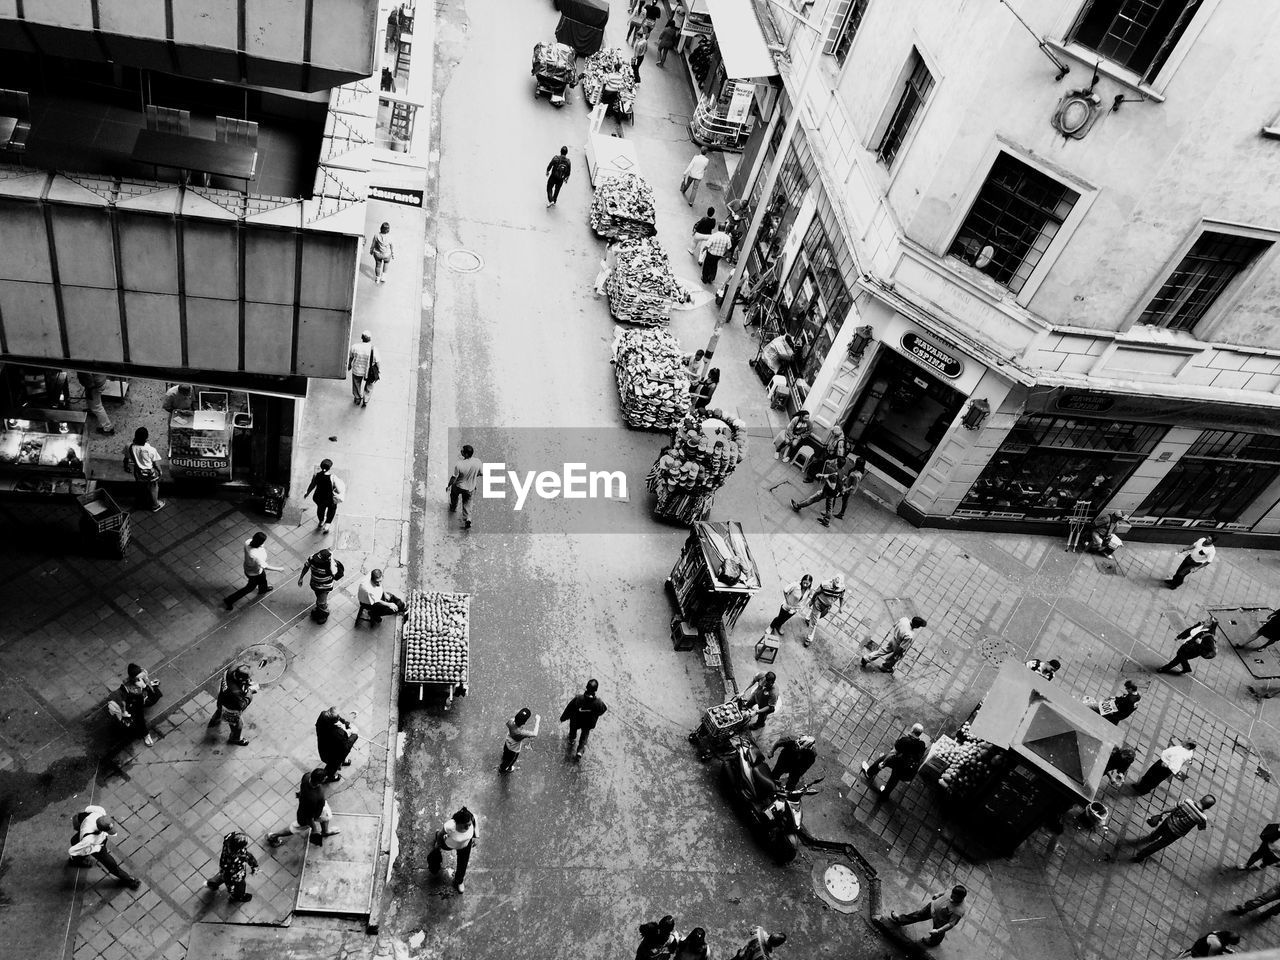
(723, 542)
(1061, 737)
(742, 44)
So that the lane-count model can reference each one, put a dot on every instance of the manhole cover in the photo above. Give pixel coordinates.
(995, 650)
(463, 261)
(266, 660)
(842, 883)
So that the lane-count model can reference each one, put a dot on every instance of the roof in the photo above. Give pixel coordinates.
(742, 44)
(723, 541)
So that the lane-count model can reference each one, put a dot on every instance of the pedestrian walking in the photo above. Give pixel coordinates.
(827, 491)
(760, 945)
(366, 369)
(794, 435)
(136, 694)
(335, 736)
(582, 712)
(377, 599)
(944, 909)
(462, 483)
(1120, 707)
(1269, 895)
(233, 701)
(325, 570)
(903, 760)
(459, 834)
(691, 178)
(851, 475)
(235, 863)
(652, 11)
(383, 252)
(1268, 630)
(1046, 668)
(760, 698)
(835, 450)
(795, 756)
(1118, 764)
(92, 828)
(238, 677)
(1198, 640)
(658, 939)
(829, 595)
(314, 813)
(639, 47)
(1172, 762)
(94, 384)
(667, 41)
(1172, 823)
(705, 389)
(559, 169)
(716, 247)
(256, 567)
(703, 228)
(635, 20)
(1198, 556)
(794, 595)
(896, 643)
(693, 946)
(1264, 856)
(1215, 943)
(326, 491)
(518, 731)
(143, 461)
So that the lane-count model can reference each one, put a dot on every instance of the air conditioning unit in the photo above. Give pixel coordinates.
(1076, 113)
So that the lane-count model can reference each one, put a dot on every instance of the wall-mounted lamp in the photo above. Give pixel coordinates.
(858, 343)
(976, 415)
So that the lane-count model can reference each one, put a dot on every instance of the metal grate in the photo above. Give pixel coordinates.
(1080, 434)
(1229, 445)
(1137, 34)
(914, 93)
(1211, 263)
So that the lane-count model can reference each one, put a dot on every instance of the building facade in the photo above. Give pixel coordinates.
(1030, 252)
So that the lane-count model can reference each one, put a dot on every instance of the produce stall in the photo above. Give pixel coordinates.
(653, 382)
(715, 577)
(1026, 755)
(622, 208)
(435, 643)
(612, 64)
(706, 447)
(641, 287)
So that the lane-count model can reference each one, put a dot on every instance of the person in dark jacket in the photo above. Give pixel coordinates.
(558, 171)
(234, 866)
(1264, 856)
(313, 812)
(1268, 630)
(582, 712)
(1198, 640)
(797, 756)
(237, 675)
(335, 736)
(1121, 706)
(325, 491)
(233, 701)
(667, 41)
(903, 761)
(705, 389)
(325, 570)
(1215, 943)
(658, 940)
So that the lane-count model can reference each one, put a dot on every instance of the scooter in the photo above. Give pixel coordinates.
(774, 811)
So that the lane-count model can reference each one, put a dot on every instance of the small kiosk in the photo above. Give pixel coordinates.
(713, 581)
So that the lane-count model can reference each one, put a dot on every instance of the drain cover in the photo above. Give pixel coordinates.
(266, 660)
(463, 261)
(842, 883)
(996, 650)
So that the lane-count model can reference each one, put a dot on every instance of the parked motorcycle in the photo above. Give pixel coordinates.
(774, 811)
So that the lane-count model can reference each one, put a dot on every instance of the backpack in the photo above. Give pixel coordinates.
(560, 167)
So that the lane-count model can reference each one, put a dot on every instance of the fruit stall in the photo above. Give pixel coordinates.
(1025, 756)
(435, 645)
(715, 577)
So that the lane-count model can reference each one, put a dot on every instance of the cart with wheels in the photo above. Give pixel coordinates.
(553, 71)
(715, 576)
(434, 647)
(719, 724)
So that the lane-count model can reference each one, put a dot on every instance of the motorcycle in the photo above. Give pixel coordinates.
(773, 810)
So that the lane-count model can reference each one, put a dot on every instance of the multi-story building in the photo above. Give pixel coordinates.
(1031, 250)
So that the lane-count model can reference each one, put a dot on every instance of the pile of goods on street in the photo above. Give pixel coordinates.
(622, 208)
(653, 382)
(436, 636)
(610, 60)
(642, 288)
(706, 447)
(965, 764)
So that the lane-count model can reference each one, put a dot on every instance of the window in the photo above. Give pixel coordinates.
(1015, 217)
(1220, 475)
(914, 93)
(1211, 263)
(1139, 35)
(844, 27)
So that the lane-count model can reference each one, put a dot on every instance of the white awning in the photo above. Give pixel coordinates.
(746, 55)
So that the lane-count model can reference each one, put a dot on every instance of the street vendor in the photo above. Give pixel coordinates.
(760, 698)
(779, 352)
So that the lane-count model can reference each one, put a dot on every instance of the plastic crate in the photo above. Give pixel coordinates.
(102, 512)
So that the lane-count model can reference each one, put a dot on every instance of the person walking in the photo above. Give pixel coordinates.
(794, 435)
(335, 736)
(362, 361)
(235, 863)
(851, 476)
(462, 483)
(903, 760)
(834, 451)
(1172, 762)
(1198, 556)
(314, 813)
(896, 643)
(582, 712)
(137, 693)
(1121, 706)
(827, 491)
(794, 595)
(238, 677)
(256, 567)
(760, 945)
(636, 19)
(760, 698)
(233, 701)
(459, 834)
(703, 227)
(944, 909)
(383, 252)
(705, 389)
(652, 11)
(325, 570)
(639, 47)
(716, 247)
(1264, 897)
(692, 176)
(1264, 856)
(518, 732)
(559, 169)
(1198, 640)
(94, 384)
(667, 41)
(1172, 823)
(693, 947)
(92, 828)
(1268, 630)
(376, 599)
(795, 756)
(1215, 943)
(830, 594)
(143, 460)
(326, 492)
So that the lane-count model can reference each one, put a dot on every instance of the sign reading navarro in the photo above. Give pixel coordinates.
(931, 356)
(410, 198)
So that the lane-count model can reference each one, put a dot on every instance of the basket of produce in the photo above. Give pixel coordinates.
(653, 382)
(641, 286)
(969, 766)
(623, 208)
(435, 641)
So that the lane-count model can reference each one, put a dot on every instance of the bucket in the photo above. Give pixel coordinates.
(1096, 814)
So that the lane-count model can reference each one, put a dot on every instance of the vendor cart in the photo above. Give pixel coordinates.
(553, 71)
(582, 25)
(434, 648)
(715, 577)
(719, 723)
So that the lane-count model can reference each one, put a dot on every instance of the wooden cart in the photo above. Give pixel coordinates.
(714, 578)
(435, 647)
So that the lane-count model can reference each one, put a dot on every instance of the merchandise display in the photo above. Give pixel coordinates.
(641, 287)
(706, 447)
(436, 638)
(612, 64)
(653, 383)
(622, 208)
(47, 442)
(964, 764)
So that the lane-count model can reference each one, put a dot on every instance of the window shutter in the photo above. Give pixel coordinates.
(837, 24)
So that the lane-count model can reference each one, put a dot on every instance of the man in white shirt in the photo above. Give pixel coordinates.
(93, 826)
(379, 601)
(462, 483)
(1172, 761)
(255, 569)
(1198, 556)
(459, 834)
(901, 636)
(693, 174)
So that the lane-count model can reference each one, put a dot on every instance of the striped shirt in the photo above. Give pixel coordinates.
(322, 574)
(719, 243)
(1186, 816)
(827, 595)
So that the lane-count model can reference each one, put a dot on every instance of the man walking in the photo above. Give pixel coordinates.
(851, 474)
(899, 640)
(796, 757)
(1198, 640)
(335, 736)
(458, 834)
(313, 814)
(944, 909)
(903, 761)
(362, 361)
(1269, 895)
(639, 47)
(92, 828)
(829, 595)
(717, 246)
(237, 675)
(761, 945)
(325, 570)
(692, 176)
(793, 597)
(93, 384)
(1178, 821)
(233, 701)
(1171, 762)
(255, 570)
(462, 483)
(1264, 856)
(582, 712)
(1268, 630)
(326, 492)
(703, 227)
(234, 866)
(829, 479)
(517, 733)
(558, 170)
(1121, 706)
(1198, 556)
(379, 601)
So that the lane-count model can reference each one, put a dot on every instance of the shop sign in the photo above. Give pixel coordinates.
(401, 195)
(1085, 402)
(931, 356)
(740, 102)
(213, 468)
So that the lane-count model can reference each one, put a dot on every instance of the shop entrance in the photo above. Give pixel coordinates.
(901, 415)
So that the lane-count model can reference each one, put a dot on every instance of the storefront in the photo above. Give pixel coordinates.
(733, 71)
(1226, 480)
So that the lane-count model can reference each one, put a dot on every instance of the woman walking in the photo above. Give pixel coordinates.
(517, 733)
(705, 389)
(143, 460)
(326, 492)
(137, 693)
(382, 251)
(362, 361)
(458, 834)
(325, 569)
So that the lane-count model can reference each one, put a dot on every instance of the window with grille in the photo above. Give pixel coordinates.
(1138, 35)
(844, 27)
(1015, 217)
(915, 92)
(1213, 261)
